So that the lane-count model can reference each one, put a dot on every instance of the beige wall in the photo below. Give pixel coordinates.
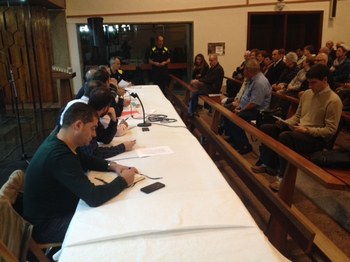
(211, 23)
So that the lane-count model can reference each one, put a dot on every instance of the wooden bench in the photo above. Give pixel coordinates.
(280, 224)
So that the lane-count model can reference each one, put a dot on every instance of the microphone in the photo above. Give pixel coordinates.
(144, 124)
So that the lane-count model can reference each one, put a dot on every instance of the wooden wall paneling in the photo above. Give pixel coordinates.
(26, 41)
(31, 61)
(42, 45)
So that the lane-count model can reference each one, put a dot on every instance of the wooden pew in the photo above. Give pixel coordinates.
(276, 233)
(234, 80)
(276, 206)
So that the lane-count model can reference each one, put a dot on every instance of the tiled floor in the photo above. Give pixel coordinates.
(35, 126)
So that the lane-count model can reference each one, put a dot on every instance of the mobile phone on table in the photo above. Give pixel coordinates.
(152, 187)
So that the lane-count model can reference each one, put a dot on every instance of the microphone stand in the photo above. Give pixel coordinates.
(14, 90)
(144, 124)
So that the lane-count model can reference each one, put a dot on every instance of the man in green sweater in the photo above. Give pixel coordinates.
(311, 129)
(56, 180)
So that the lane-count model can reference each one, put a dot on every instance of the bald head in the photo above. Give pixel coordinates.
(213, 60)
(252, 67)
(321, 58)
(90, 74)
(324, 49)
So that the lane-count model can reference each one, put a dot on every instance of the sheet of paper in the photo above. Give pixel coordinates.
(123, 84)
(154, 151)
(284, 122)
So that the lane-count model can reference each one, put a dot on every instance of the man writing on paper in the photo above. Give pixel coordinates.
(209, 84)
(55, 178)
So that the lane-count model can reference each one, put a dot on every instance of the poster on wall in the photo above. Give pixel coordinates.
(216, 48)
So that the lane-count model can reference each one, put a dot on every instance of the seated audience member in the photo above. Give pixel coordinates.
(322, 58)
(301, 57)
(341, 65)
(288, 73)
(326, 51)
(254, 52)
(267, 63)
(309, 51)
(310, 129)
(200, 67)
(298, 83)
(260, 57)
(209, 84)
(256, 97)
(233, 87)
(343, 92)
(277, 67)
(56, 180)
(88, 77)
(115, 71)
(330, 46)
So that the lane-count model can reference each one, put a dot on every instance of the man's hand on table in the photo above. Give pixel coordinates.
(128, 173)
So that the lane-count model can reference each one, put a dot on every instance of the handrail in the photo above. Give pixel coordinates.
(171, 66)
(292, 99)
(278, 208)
(345, 116)
(234, 80)
(283, 218)
(291, 156)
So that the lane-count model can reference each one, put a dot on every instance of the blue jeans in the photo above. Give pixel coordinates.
(192, 107)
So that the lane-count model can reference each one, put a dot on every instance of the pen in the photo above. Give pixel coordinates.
(154, 178)
(100, 179)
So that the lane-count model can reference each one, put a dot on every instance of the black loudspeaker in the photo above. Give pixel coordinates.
(97, 37)
(333, 9)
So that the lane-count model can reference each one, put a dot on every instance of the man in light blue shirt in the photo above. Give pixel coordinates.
(256, 97)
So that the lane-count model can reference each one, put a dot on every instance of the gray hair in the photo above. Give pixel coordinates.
(252, 65)
(90, 74)
(291, 56)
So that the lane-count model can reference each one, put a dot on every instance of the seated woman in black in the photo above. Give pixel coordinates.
(200, 67)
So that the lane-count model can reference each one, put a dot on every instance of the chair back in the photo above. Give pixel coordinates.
(15, 232)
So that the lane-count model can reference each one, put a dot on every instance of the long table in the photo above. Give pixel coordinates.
(195, 217)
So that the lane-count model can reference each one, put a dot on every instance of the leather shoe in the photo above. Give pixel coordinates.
(275, 186)
(245, 150)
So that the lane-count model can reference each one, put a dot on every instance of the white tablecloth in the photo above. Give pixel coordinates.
(195, 217)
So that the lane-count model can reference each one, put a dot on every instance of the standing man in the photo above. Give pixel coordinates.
(209, 84)
(56, 180)
(312, 128)
(159, 59)
(256, 97)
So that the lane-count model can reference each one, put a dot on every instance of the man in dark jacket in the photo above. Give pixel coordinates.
(209, 84)
(277, 67)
